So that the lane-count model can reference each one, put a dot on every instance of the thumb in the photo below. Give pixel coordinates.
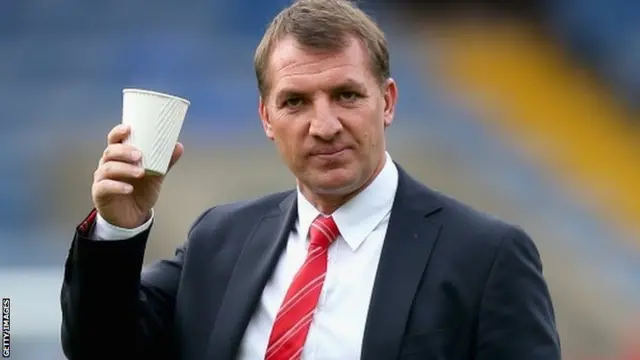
(178, 150)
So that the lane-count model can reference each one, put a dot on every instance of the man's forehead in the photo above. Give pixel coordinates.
(289, 58)
(289, 51)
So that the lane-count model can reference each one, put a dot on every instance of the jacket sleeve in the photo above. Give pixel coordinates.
(111, 308)
(516, 319)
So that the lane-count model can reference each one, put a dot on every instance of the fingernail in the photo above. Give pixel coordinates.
(136, 155)
(128, 188)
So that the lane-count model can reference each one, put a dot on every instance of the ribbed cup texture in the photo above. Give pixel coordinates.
(156, 120)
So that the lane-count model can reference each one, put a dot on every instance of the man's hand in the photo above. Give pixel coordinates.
(122, 194)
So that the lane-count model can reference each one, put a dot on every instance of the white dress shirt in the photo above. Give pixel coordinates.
(337, 328)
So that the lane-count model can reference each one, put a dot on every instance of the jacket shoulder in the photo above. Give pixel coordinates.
(245, 209)
(472, 224)
(462, 221)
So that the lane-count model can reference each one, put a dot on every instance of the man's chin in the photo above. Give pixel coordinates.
(334, 183)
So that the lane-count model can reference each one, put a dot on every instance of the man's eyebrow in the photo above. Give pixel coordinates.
(348, 84)
(287, 93)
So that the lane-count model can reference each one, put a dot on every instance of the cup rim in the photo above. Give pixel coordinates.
(156, 93)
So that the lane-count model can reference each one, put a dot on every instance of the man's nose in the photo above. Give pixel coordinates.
(325, 123)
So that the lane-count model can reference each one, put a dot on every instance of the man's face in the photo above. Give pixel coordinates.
(327, 114)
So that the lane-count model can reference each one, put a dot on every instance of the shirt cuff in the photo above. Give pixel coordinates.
(106, 231)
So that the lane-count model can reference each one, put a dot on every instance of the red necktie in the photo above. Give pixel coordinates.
(294, 318)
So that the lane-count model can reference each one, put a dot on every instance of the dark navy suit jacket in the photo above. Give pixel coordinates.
(452, 284)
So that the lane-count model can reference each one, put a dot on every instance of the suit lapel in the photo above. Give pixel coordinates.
(250, 275)
(405, 254)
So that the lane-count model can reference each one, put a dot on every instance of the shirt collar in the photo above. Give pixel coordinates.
(359, 217)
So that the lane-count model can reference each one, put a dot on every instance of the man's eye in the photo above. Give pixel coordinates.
(348, 96)
(293, 102)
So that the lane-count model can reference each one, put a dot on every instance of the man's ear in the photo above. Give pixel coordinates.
(264, 117)
(390, 101)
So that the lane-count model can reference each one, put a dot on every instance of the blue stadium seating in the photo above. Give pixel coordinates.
(606, 35)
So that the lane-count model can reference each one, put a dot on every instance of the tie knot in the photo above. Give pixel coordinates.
(323, 231)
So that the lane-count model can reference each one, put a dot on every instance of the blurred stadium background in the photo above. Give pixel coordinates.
(526, 109)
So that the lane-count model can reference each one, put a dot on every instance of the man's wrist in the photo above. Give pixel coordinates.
(106, 231)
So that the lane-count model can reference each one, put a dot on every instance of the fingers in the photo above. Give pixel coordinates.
(118, 152)
(115, 170)
(107, 187)
(122, 153)
(118, 134)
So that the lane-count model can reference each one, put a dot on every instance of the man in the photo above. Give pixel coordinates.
(360, 261)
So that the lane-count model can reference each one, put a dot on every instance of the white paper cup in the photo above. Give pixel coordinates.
(155, 120)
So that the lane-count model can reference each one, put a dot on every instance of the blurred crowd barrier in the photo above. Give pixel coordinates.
(504, 108)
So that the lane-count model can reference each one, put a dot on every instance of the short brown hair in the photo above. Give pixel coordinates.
(323, 25)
